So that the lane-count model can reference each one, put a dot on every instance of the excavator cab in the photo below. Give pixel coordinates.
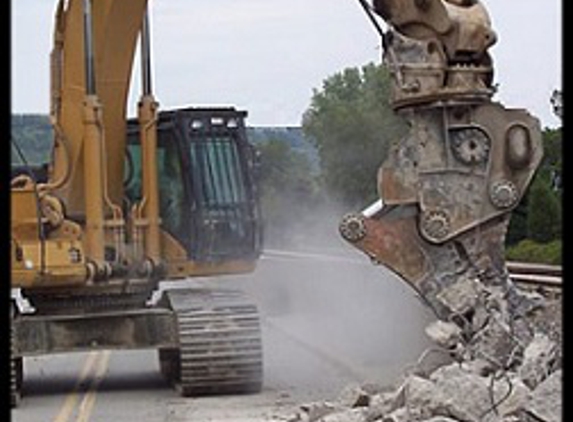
(206, 176)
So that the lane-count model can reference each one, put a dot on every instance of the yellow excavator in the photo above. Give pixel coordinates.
(128, 203)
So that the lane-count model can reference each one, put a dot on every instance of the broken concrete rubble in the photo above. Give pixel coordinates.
(545, 403)
(444, 334)
(493, 376)
(347, 415)
(467, 396)
(315, 411)
(354, 396)
(461, 296)
(538, 359)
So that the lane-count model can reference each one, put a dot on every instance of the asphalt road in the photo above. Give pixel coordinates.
(327, 321)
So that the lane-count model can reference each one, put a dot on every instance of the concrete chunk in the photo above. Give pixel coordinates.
(461, 296)
(462, 394)
(398, 415)
(348, 415)
(538, 357)
(444, 334)
(546, 399)
(354, 396)
(316, 410)
(382, 404)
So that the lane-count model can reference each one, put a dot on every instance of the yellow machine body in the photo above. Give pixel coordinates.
(76, 228)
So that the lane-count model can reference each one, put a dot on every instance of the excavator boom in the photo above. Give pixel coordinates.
(105, 72)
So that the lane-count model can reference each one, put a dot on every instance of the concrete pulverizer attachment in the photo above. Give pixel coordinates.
(447, 189)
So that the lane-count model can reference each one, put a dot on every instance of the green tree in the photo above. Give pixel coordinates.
(352, 125)
(544, 216)
(517, 230)
(548, 175)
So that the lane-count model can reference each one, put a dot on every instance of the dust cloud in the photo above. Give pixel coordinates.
(330, 317)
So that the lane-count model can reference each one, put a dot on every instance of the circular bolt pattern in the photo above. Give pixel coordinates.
(435, 225)
(503, 194)
(470, 145)
(352, 227)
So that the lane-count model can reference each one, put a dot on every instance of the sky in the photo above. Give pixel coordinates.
(267, 59)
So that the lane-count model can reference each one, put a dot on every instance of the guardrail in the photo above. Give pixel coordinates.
(519, 272)
(535, 274)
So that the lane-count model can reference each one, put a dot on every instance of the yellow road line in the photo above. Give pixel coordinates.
(98, 362)
(72, 398)
(88, 402)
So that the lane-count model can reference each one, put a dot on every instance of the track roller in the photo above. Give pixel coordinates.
(220, 347)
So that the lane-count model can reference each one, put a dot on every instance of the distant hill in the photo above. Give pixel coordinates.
(293, 135)
(33, 134)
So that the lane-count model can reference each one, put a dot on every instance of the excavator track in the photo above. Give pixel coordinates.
(220, 347)
(15, 376)
(16, 366)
